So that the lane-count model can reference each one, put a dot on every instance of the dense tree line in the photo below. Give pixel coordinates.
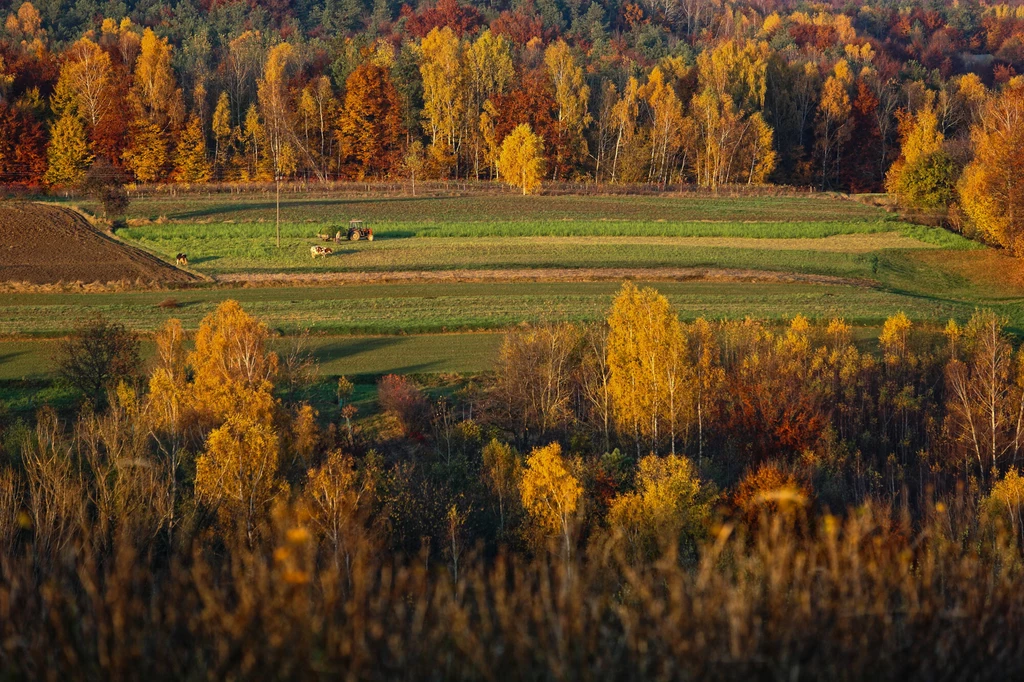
(697, 91)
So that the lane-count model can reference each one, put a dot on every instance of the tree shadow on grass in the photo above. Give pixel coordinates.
(178, 305)
(393, 234)
(7, 357)
(369, 347)
(39, 369)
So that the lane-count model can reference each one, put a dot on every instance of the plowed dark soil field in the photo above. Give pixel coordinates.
(42, 244)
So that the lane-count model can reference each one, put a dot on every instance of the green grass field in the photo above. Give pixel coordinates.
(885, 266)
(427, 308)
(229, 234)
(246, 255)
(309, 206)
(356, 356)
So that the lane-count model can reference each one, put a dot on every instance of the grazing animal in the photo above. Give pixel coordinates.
(324, 251)
(182, 260)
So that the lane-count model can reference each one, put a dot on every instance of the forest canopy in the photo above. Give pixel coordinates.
(696, 90)
(901, 97)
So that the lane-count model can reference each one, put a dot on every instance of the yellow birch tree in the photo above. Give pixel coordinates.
(551, 494)
(521, 160)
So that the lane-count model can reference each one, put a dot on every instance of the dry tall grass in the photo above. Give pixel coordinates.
(868, 597)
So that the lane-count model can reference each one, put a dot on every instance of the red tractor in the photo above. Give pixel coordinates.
(357, 231)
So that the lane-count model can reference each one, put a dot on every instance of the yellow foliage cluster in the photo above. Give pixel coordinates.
(842, 23)
(237, 471)
(459, 78)
(895, 339)
(661, 376)
(521, 159)
(337, 499)
(550, 492)
(157, 109)
(669, 506)
(230, 362)
(1006, 499)
(572, 94)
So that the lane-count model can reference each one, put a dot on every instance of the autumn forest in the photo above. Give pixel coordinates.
(917, 100)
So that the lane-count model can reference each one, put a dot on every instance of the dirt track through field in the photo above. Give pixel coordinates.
(42, 244)
(538, 275)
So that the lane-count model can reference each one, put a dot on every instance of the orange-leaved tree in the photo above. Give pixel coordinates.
(443, 69)
(86, 84)
(237, 471)
(276, 107)
(924, 176)
(157, 109)
(370, 129)
(230, 361)
(339, 498)
(501, 474)
(833, 123)
(232, 392)
(191, 164)
(68, 155)
(989, 190)
(572, 94)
